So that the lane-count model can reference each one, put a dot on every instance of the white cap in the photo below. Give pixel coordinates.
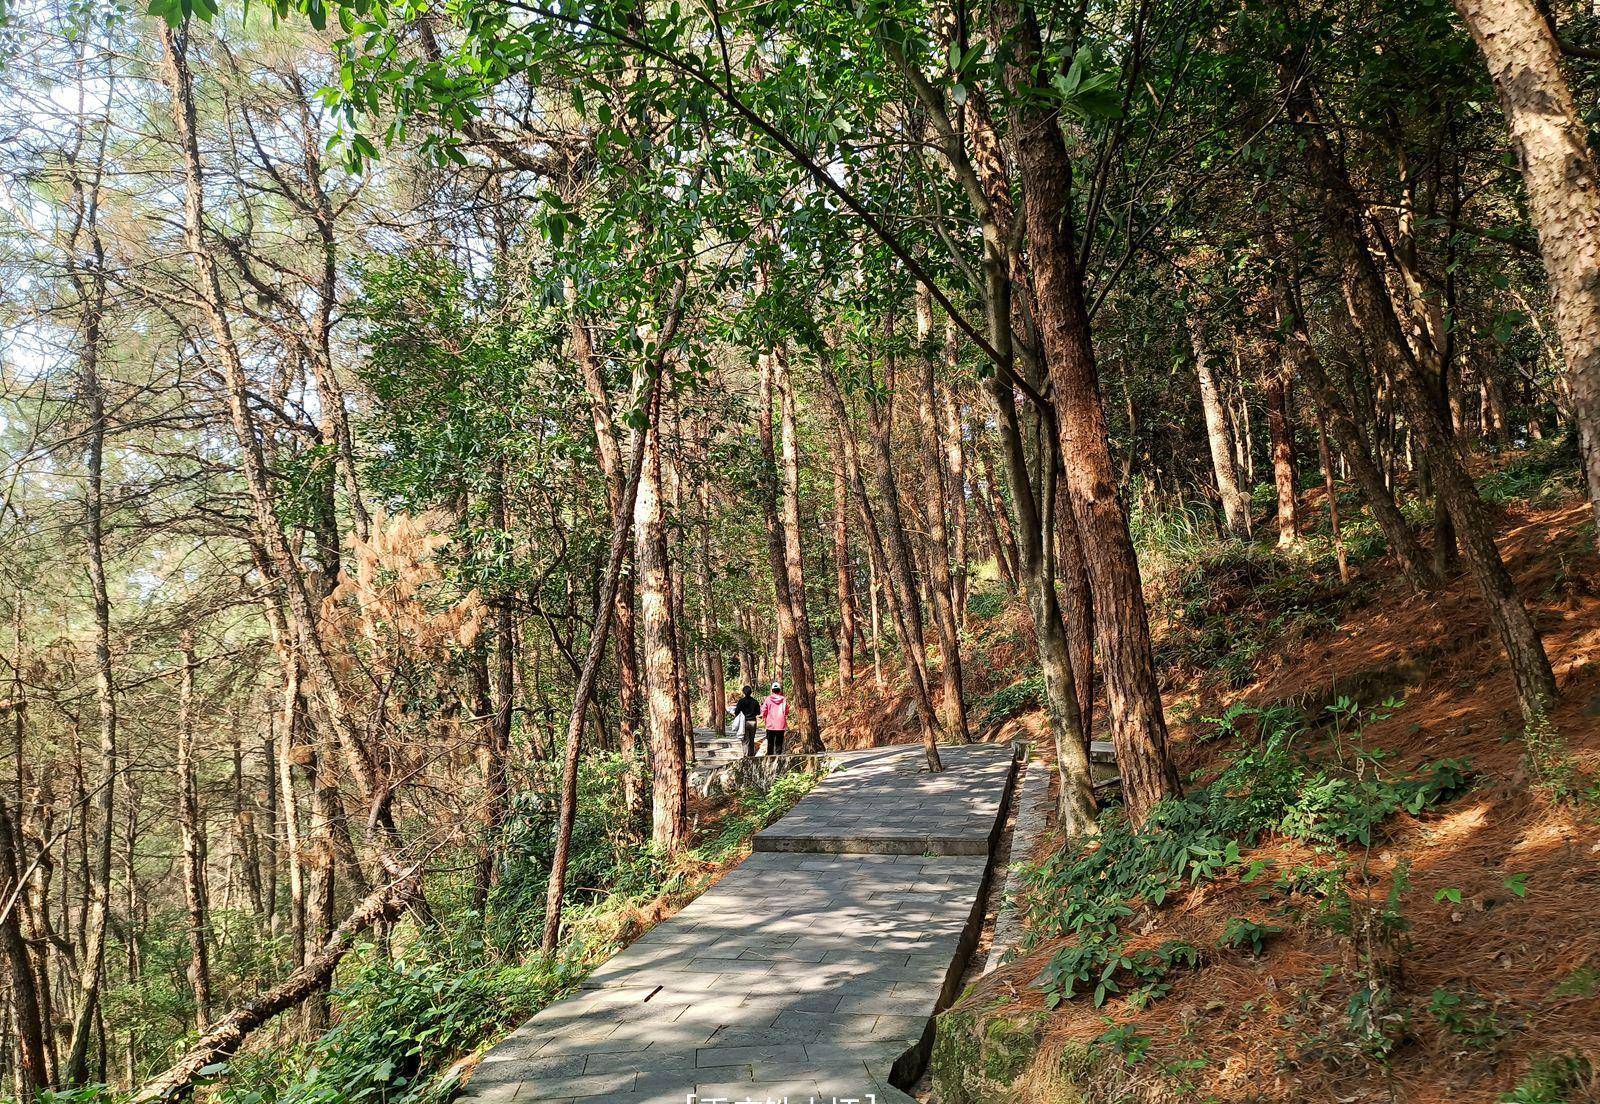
(777, 686)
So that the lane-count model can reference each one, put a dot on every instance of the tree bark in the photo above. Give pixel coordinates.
(955, 467)
(1562, 177)
(1235, 505)
(879, 552)
(803, 678)
(98, 872)
(33, 1071)
(375, 791)
(941, 585)
(1364, 468)
(194, 872)
(844, 576)
(1122, 628)
(669, 805)
(623, 513)
(1280, 430)
(626, 644)
(802, 704)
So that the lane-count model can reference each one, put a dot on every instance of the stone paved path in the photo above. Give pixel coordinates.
(810, 972)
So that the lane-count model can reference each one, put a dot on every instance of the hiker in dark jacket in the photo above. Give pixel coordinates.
(744, 713)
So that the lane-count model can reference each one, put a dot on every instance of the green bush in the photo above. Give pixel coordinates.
(1008, 701)
(1546, 472)
(986, 604)
(1559, 1080)
(1090, 885)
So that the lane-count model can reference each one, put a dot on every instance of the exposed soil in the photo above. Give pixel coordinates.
(1275, 1028)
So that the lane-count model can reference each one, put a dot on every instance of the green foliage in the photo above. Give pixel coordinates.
(1552, 768)
(400, 1023)
(1087, 888)
(755, 812)
(1008, 701)
(1242, 932)
(1547, 472)
(1467, 1016)
(986, 603)
(1557, 1080)
(1230, 602)
(1126, 1041)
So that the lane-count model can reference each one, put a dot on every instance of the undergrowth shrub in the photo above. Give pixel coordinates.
(1546, 472)
(1087, 888)
(1008, 701)
(1231, 602)
(399, 1024)
(403, 1018)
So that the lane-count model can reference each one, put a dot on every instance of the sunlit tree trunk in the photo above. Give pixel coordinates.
(30, 1027)
(803, 677)
(844, 574)
(1122, 628)
(375, 791)
(1562, 176)
(669, 806)
(936, 508)
(802, 705)
(901, 572)
(1235, 505)
(97, 871)
(955, 466)
(1280, 430)
(626, 646)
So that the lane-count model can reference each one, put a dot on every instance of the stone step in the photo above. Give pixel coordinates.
(895, 807)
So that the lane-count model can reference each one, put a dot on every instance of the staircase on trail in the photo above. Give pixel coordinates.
(811, 971)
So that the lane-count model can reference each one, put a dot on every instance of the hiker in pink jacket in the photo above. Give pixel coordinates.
(775, 718)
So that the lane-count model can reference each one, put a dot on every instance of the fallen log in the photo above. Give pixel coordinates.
(223, 1039)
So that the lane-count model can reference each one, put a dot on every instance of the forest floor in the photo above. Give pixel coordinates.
(1491, 971)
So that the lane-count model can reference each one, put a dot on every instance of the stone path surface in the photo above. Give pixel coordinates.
(810, 972)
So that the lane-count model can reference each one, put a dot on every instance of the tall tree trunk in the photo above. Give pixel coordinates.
(626, 641)
(1122, 628)
(669, 805)
(901, 570)
(888, 556)
(1235, 505)
(375, 791)
(955, 466)
(1562, 177)
(1329, 489)
(497, 730)
(805, 676)
(33, 1071)
(710, 631)
(844, 576)
(1353, 445)
(623, 515)
(1280, 430)
(1001, 538)
(786, 600)
(194, 871)
(97, 872)
(1373, 311)
(953, 714)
